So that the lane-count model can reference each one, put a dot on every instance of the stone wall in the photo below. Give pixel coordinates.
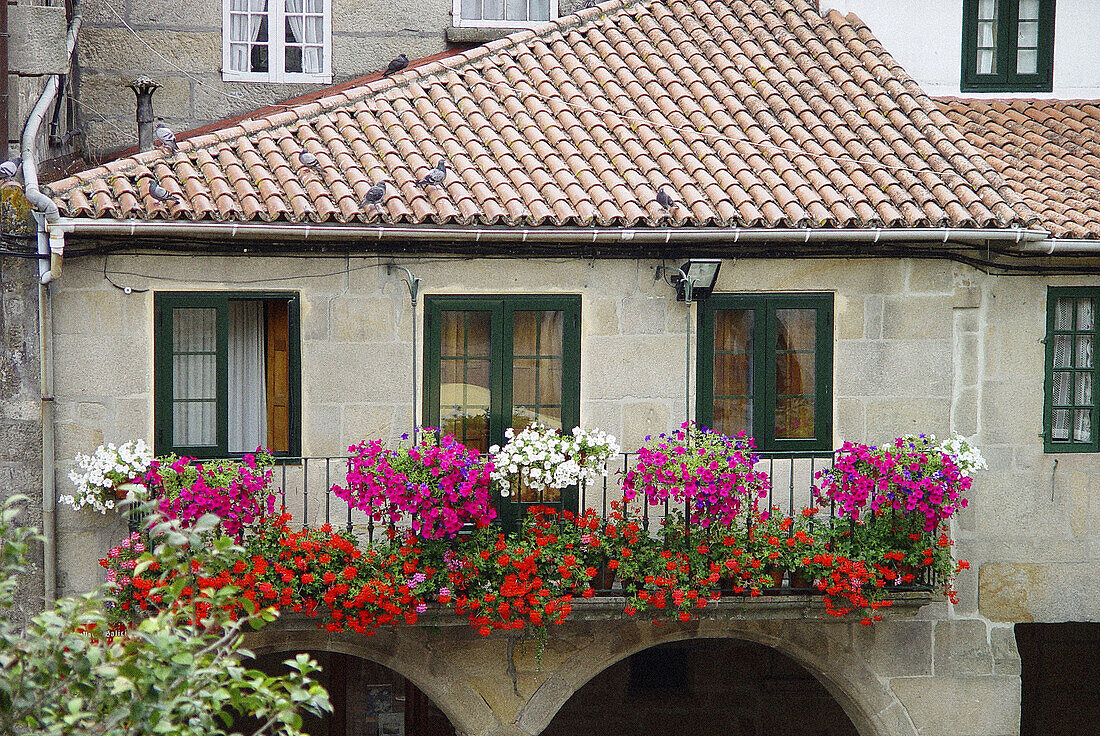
(920, 345)
(925, 675)
(20, 408)
(179, 44)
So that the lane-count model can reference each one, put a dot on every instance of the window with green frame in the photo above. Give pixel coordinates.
(1008, 46)
(493, 362)
(765, 367)
(1069, 415)
(227, 373)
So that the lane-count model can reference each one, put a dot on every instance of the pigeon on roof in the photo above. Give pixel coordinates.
(434, 176)
(9, 169)
(166, 137)
(374, 195)
(396, 65)
(308, 159)
(156, 191)
(665, 200)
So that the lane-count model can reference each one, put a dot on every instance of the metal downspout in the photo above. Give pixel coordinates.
(51, 242)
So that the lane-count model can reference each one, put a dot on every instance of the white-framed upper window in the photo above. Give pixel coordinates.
(277, 41)
(502, 13)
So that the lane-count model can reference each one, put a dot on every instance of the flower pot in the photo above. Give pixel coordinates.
(801, 579)
(604, 579)
(776, 574)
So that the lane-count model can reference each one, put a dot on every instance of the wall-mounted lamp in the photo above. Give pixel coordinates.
(697, 275)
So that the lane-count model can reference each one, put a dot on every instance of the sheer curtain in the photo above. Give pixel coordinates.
(247, 377)
(194, 376)
(308, 31)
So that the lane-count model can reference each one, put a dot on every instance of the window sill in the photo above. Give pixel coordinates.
(272, 79)
(480, 34)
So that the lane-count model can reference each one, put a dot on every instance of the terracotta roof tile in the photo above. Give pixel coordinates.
(756, 113)
(1047, 151)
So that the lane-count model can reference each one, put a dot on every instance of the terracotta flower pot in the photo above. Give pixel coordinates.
(776, 574)
(800, 579)
(604, 579)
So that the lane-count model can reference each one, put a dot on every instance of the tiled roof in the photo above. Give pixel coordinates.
(756, 114)
(1048, 151)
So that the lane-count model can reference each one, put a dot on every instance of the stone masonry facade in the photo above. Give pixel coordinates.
(919, 345)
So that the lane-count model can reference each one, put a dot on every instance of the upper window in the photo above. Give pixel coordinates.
(227, 373)
(502, 13)
(765, 368)
(277, 41)
(1070, 411)
(1008, 45)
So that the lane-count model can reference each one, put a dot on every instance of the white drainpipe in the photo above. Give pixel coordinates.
(51, 242)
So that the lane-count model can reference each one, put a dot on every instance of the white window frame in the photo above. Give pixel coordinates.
(458, 21)
(276, 51)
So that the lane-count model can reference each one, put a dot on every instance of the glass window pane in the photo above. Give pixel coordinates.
(1062, 381)
(732, 416)
(1084, 351)
(1084, 314)
(1063, 314)
(194, 330)
(1027, 62)
(516, 9)
(796, 329)
(471, 9)
(194, 424)
(466, 334)
(540, 9)
(733, 330)
(1062, 345)
(292, 59)
(492, 9)
(1082, 425)
(987, 9)
(794, 417)
(1083, 395)
(732, 374)
(537, 333)
(1029, 9)
(194, 377)
(987, 62)
(1028, 35)
(1060, 425)
(794, 374)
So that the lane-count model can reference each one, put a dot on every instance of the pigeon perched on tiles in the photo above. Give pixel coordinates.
(665, 200)
(589, 4)
(305, 158)
(374, 195)
(396, 65)
(159, 193)
(166, 137)
(9, 169)
(434, 176)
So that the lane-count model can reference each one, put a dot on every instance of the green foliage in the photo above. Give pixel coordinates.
(178, 672)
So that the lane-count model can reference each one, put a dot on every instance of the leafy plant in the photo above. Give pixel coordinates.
(178, 671)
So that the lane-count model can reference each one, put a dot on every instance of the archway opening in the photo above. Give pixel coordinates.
(710, 687)
(367, 698)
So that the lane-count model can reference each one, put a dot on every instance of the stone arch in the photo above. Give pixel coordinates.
(821, 648)
(399, 648)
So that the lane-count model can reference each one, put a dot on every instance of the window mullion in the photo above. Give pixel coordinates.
(764, 419)
(276, 41)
